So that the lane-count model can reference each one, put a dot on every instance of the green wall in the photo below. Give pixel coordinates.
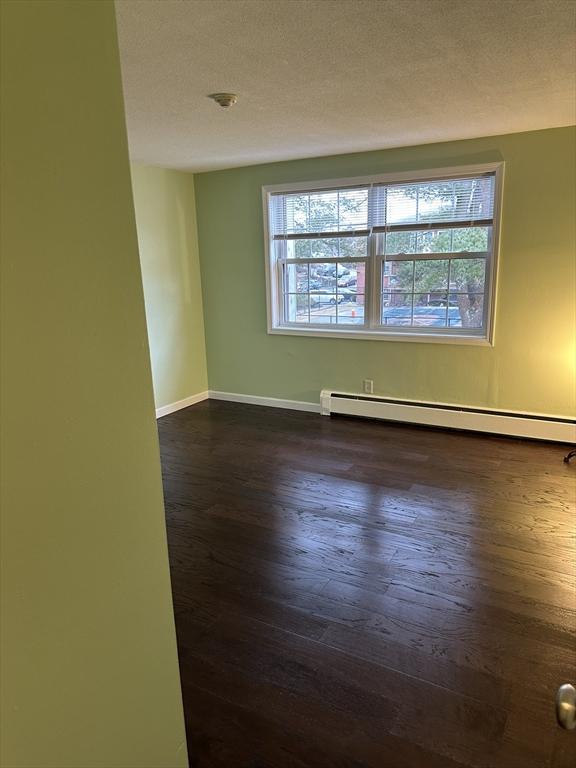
(168, 242)
(89, 664)
(531, 365)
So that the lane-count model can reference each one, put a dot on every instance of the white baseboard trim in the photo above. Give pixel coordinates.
(164, 410)
(272, 402)
(450, 416)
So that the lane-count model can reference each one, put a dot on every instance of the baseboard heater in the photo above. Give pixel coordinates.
(512, 423)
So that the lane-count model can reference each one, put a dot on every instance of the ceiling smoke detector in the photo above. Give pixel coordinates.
(224, 99)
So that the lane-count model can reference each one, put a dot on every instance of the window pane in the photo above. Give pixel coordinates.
(430, 310)
(435, 304)
(296, 278)
(351, 276)
(323, 277)
(401, 206)
(398, 276)
(396, 309)
(470, 239)
(353, 209)
(324, 248)
(468, 275)
(353, 247)
(323, 211)
(296, 307)
(296, 214)
(400, 242)
(458, 200)
(434, 241)
(298, 249)
(474, 198)
(317, 248)
(331, 301)
(330, 211)
(351, 309)
(466, 310)
(323, 307)
(327, 248)
(436, 201)
(431, 275)
(437, 241)
(467, 281)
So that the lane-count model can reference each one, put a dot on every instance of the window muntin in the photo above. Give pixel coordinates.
(385, 257)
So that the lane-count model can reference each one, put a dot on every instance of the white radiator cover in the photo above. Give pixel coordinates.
(513, 423)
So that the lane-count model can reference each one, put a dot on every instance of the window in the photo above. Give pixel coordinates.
(408, 256)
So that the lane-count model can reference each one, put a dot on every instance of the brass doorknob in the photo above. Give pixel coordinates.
(566, 706)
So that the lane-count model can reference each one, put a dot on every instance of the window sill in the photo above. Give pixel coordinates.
(421, 338)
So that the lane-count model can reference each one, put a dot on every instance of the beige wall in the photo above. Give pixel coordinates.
(166, 224)
(89, 664)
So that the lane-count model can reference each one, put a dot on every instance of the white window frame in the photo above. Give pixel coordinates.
(484, 336)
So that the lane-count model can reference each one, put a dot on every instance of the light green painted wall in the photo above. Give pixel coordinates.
(168, 242)
(530, 367)
(89, 665)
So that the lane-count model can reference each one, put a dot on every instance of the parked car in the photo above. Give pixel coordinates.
(330, 270)
(325, 298)
(347, 294)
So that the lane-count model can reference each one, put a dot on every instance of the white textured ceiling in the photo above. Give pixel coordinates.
(321, 77)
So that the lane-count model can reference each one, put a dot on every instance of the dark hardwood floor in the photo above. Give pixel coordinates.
(352, 593)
